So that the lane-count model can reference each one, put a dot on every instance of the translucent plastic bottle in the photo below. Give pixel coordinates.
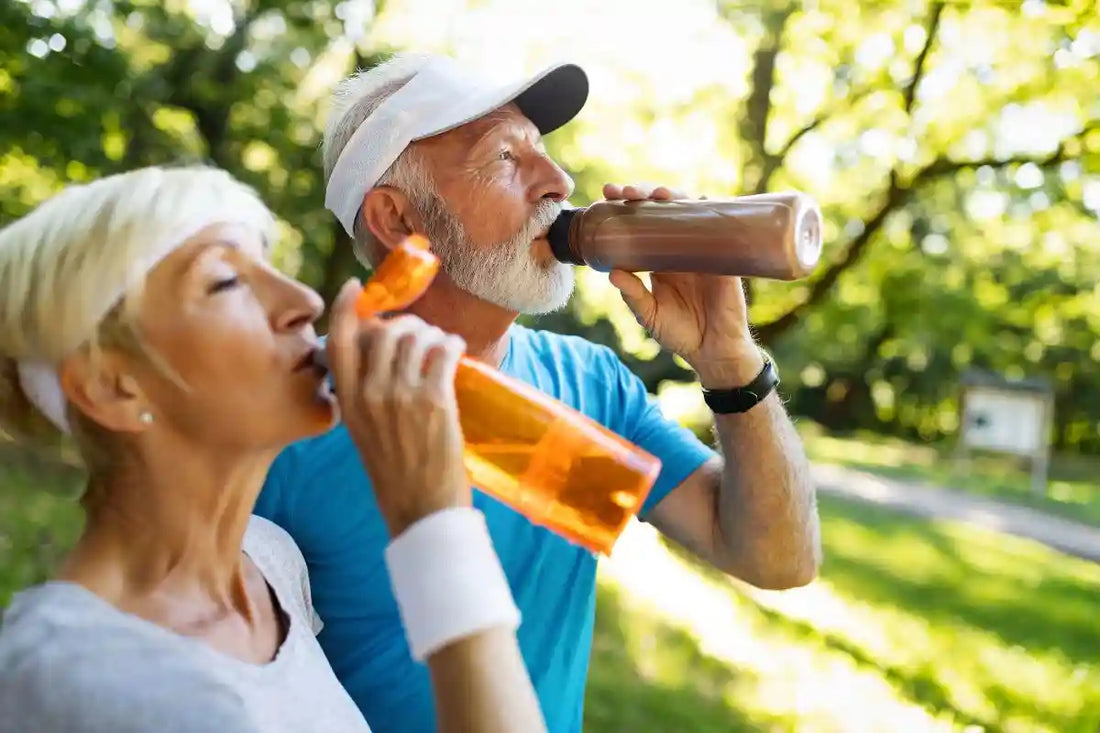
(559, 468)
(773, 235)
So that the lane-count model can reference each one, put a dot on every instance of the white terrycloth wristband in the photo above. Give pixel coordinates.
(448, 581)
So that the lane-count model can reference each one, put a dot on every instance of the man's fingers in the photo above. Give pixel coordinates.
(637, 192)
(664, 193)
(342, 343)
(642, 191)
(636, 295)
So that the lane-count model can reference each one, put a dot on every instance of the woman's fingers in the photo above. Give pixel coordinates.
(379, 342)
(342, 343)
(412, 352)
(440, 376)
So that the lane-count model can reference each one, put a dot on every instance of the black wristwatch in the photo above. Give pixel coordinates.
(743, 399)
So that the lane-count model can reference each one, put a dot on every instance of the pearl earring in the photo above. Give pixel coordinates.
(146, 417)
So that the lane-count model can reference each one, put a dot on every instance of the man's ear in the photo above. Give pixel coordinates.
(390, 216)
(102, 389)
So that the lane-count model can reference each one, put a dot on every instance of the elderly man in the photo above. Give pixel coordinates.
(420, 145)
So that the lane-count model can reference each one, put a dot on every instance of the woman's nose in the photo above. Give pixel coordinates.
(297, 305)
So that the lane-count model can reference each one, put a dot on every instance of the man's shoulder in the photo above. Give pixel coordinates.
(330, 452)
(555, 348)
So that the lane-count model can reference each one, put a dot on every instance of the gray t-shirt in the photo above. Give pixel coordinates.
(72, 663)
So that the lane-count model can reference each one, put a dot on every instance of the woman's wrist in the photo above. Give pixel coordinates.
(400, 519)
(448, 581)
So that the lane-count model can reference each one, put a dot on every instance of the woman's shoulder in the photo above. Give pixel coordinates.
(280, 561)
(70, 661)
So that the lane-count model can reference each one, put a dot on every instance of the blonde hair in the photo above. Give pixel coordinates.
(353, 101)
(70, 269)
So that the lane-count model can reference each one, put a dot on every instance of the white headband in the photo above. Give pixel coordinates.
(42, 387)
(441, 96)
(39, 379)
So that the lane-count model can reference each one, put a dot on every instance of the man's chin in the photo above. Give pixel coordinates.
(532, 289)
(557, 298)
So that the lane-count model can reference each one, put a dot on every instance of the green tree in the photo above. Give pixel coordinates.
(954, 148)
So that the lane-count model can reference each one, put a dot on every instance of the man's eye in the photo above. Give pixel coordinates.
(225, 284)
(506, 155)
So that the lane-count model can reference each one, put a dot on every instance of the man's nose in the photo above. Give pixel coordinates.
(553, 182)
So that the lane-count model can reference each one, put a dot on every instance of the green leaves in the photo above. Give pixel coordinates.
(954, 147)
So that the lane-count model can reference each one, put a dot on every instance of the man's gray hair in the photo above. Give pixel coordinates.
(355, 99)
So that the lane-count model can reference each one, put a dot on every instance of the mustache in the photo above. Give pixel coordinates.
(546, 211)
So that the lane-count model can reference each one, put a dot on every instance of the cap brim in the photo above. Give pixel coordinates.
(554, 97)
(549, 99)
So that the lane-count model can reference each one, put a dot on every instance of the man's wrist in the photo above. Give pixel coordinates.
(731, 372)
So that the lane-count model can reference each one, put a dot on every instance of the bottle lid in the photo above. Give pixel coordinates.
(808, 235)
(558, 236)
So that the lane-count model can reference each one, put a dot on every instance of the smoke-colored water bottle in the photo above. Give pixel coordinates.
(556, 466)
(771, 235)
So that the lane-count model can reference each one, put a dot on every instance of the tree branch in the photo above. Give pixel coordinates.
(897, 194)
(944, 167)
(893, 199)
(774, 161)
(212, 116)
(754, 125)
(932, 27)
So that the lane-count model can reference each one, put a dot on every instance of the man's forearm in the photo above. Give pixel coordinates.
(766, 509)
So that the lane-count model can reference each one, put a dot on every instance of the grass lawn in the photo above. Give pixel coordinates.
(1073, 491)
(914, 625)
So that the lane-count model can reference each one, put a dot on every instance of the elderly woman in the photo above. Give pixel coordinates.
(139, 315)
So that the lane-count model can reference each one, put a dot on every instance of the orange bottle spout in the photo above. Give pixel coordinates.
(402, 277)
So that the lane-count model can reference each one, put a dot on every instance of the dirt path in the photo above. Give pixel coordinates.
(1073, 538)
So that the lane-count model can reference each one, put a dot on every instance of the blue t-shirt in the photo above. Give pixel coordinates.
(319, 492)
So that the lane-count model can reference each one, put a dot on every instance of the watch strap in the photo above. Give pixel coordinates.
(743, 399)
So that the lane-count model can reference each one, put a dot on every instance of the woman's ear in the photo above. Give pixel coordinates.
(103, 390)
(390, 216)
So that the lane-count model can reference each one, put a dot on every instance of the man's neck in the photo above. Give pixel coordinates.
(481, 324)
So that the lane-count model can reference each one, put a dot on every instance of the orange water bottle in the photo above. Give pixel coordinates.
(556, 466)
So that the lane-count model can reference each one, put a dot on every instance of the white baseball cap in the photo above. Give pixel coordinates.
(442, 96)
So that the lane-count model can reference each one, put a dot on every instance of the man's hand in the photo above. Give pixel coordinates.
(703, 318)
(753, 514)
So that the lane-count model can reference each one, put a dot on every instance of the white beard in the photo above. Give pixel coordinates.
(506, 275)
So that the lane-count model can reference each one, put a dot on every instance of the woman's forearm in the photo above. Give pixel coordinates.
(460, 618)
(481, 685)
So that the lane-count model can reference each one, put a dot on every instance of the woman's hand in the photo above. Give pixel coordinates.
(394, 382)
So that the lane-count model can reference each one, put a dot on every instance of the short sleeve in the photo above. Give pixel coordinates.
(279, 558)
(641, 422)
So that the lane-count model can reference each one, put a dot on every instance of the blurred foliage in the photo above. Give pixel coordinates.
(954, 149)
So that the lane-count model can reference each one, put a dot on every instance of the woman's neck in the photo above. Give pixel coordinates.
(170, 535)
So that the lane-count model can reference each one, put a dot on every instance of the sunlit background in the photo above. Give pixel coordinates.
(955, 150)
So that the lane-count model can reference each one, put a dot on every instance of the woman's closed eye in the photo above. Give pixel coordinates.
(223, 284)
